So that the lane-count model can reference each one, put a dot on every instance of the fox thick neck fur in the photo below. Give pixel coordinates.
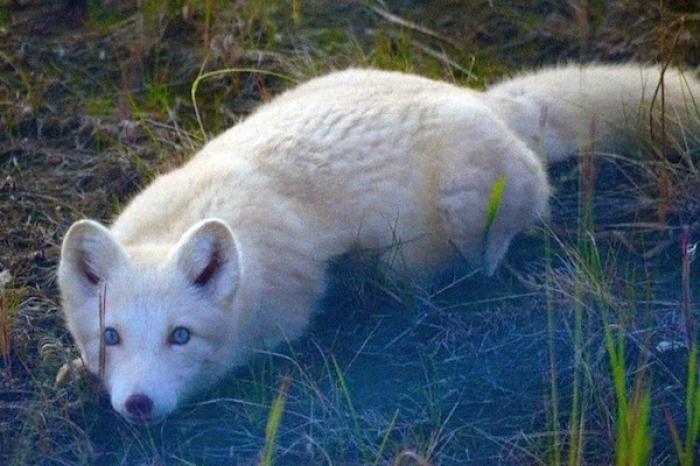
(355, 159)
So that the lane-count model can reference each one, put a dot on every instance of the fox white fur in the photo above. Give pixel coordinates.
(234, 245)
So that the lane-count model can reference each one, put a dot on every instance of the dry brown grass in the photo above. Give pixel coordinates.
(94, 102)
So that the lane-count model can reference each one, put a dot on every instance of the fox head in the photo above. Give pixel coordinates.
(168, 316)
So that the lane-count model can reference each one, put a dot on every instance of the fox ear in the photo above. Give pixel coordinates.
(88, 255)
(207, 255)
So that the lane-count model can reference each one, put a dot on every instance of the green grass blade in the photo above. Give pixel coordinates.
(691, 382)
(694, 428)
(273, 422)
(351, 407)
(675, 437)
(555, 457)
(641, 441)
(692, 407)
(386, 438)
(494, 204)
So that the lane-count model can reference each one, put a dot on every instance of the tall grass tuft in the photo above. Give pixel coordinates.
(554, 416)
(633, 435)
(351, 407)
(385, 439)
(685, 449)
(5, 321)
(633, 439)
(273, 422)
(584, 255)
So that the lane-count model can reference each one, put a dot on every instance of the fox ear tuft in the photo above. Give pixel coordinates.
(208, 257)
(88, 254)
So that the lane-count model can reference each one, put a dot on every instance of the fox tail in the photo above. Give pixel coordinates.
(559, 110)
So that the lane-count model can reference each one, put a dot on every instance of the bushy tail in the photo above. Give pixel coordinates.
(559, 110)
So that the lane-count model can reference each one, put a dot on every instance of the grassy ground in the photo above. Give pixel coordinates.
(577, 352)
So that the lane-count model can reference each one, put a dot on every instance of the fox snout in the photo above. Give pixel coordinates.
(139, 406)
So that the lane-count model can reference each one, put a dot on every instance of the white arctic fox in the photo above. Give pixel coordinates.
(228, 253)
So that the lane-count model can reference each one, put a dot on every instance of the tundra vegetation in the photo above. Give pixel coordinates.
(582, 349)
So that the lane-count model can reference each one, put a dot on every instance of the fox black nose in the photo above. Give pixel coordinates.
(138, 405)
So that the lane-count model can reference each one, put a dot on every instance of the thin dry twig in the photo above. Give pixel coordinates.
(5, 335)
(392, 18)
(102, 300)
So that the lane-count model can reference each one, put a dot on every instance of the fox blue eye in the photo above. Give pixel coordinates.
(111, 336)
(180, 336)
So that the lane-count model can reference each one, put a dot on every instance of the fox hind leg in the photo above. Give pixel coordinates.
(467, 187)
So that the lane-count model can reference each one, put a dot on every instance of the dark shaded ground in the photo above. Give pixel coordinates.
(95, 101)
